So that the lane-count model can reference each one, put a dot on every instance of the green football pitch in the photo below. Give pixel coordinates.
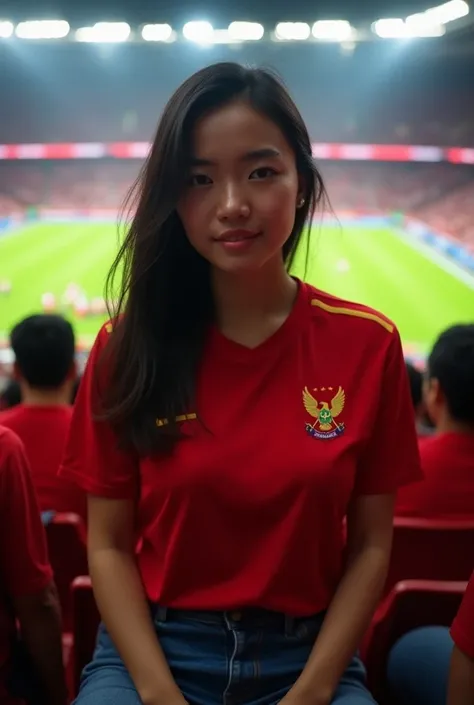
(372, 266)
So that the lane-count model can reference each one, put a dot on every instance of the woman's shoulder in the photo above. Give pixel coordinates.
(351, 313)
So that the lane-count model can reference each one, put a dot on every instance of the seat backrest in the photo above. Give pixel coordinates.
(410, 604)
(431, 550)
(68, 557)
(85, 622)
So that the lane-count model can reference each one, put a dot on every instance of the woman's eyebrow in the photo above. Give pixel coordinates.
(254, 154)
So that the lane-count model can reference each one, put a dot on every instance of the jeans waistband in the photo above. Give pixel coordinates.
(249, 617)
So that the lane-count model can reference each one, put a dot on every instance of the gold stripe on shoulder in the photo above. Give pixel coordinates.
(353, 312)
(108, 328)
(178, 419)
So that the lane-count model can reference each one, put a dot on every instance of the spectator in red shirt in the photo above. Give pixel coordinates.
(447, 490)
(233, 416)
(27, 591)
(44, 351)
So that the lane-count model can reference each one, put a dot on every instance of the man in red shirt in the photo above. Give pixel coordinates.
(447, 458)
(44, 349)
(27, 591)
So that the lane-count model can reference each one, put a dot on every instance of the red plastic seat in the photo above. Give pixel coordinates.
(409, 605)
(85, 622)
(68, 557)
(431, 550)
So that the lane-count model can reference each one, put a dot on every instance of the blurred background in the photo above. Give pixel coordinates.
(385, 87)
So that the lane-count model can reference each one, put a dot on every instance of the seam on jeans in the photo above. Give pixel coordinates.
(232, 659)
(256, 663)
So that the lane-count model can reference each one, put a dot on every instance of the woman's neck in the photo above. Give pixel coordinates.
(250, 307)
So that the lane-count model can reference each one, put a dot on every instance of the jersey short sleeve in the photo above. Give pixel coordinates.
(93, 459)
(391, 456)
(462, 630)
(24, 564)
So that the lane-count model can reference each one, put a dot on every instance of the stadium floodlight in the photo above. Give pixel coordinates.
(42, 29)
(6, 29)
(104, 32)
(200, 32)
(292, 31)
(415, 26)
(157, 33)
(422, 25)
(390, 28)
(448, 12)
(332, 30)
(246, 31)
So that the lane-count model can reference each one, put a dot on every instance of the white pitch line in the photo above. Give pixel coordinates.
(436, 257)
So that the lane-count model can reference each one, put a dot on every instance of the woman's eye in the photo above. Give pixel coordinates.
(199, 180)
(264, 172)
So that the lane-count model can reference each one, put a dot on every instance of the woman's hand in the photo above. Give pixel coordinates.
(164, 697)
(299, 695)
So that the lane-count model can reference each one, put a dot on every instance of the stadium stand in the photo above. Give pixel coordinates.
(409, 605)
(442, 195)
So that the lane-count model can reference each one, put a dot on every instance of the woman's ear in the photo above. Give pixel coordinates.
(300, 196)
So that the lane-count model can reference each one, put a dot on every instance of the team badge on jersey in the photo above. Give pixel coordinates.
(325, 413)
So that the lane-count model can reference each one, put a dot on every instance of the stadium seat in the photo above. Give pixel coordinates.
(410, 604)
(68, 556)
(431, 550)
(85, 621)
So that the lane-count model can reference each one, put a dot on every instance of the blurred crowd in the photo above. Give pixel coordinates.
(441, 195)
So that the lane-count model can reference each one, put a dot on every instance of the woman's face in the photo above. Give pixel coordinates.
(239, 205)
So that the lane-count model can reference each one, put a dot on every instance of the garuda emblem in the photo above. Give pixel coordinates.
(325, 414)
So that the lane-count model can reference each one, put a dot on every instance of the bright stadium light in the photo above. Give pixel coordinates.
(390, 28)
(421, 25)
(246, 31)
(448, 12)
(292, 31)
(332, 30)
(157, 33)
(42, 29)
(104, 32)
(6, 29)
(415, 26)
(201, 32)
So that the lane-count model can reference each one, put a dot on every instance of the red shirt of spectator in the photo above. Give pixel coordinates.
(43, 431)
(24, 567)
(462, 630)
(447, 491)
(248, 509)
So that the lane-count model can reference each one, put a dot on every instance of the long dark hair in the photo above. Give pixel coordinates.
(165, 304)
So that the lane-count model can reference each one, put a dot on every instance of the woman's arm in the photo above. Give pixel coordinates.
(122, 601)
(369, 532)
(461, 679)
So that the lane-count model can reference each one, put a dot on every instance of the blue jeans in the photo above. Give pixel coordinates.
(418, 667)
(221, 658)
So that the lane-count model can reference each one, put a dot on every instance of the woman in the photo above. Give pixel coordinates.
(230, 418)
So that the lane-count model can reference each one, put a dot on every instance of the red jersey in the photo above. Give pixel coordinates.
(249, 508)
(447, 491)
(44, 431)
(24, 567)
(462, 630)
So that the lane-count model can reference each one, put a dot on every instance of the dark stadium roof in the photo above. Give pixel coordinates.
(214, 10)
